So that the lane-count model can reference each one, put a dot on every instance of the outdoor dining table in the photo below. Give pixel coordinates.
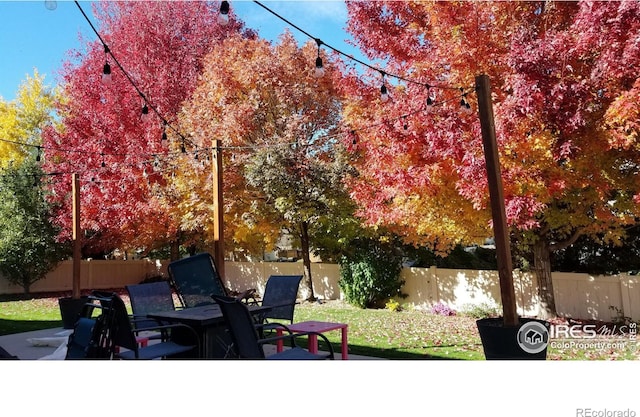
(208, 322)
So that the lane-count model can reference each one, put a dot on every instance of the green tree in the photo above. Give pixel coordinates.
(28, 245)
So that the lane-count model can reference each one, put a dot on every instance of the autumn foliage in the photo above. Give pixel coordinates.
(564, 80)
(157, 50)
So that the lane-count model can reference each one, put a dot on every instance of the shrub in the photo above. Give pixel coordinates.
(480, 311)
(393, 305)
(370, 273)
(442, 309)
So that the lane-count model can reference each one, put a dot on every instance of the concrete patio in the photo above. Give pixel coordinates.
(42, 345)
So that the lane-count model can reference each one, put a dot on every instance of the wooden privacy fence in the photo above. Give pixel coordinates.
(577, 295)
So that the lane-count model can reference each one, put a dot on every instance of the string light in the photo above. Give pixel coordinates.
(405, 125)
(223, 16)
(430, 99)
(319, 72)
(319, 68)
(384, 95)
(145, 112)
(464, 104)
(106, 70)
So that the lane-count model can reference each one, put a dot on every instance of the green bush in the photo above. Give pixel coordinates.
(370, 274)
(481, 311)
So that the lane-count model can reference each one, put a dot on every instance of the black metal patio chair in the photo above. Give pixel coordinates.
(121, 336)
(247, 343)
(148, 298)
(281, 293)
(196, 279)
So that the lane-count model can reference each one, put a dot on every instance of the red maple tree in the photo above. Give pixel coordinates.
(564, 85)
(155, 55)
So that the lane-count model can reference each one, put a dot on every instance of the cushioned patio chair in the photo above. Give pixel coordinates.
(196, 279)
(247, 343)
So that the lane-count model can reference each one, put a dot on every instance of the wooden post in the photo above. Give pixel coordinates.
(77, 236)
(218, 207)
(500, 229)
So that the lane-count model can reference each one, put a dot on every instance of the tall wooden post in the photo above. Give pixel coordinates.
(76, 236)
(218, 206)
(494, 178)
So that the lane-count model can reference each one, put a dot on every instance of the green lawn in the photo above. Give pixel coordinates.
(379, 333)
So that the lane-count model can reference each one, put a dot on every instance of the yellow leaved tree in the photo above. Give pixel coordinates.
(22, 120)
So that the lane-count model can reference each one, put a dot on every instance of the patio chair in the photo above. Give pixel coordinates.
(121, 335)
(280, 292)
(88, 340)
(245, 337)
(149, 298)
(196, 279)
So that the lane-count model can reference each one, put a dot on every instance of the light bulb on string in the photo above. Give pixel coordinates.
(145, 112)
(223, 16)
(354, 137)
(106, 70)
(405, 125)
(106, 74)
(384, 94)
(430, 100)
(51, 5)
(465, 107)
(319, 71)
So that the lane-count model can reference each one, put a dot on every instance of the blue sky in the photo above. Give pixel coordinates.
(33, 36)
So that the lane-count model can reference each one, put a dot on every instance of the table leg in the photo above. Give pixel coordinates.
(345, 346)
(279, 343)
(313, 343)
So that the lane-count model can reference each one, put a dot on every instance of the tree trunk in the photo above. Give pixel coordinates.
(542, 266)
(306, 259)
(174, 249)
